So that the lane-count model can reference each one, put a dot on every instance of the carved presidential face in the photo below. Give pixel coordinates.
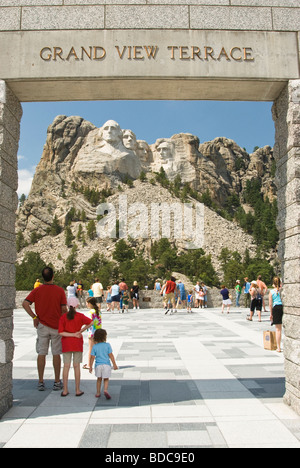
(129, 139)
(111, 132)
(164, 149)
(143, 151)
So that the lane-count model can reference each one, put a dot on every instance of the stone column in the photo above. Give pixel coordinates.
(286, 114)
(10, 116)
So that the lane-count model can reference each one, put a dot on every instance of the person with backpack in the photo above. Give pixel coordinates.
(256, 301)
(263, 287)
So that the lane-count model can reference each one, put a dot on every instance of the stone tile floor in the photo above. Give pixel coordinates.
(185, 380)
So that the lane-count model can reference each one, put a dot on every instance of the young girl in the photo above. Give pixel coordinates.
(276, 310)
(201, 297)
(102, 355)
(71, 326)
(95, 315)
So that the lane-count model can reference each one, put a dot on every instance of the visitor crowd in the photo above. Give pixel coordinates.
(57, 321)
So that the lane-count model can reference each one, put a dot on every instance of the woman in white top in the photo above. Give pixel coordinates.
(115, 296)
(72, 299)
(97, 289)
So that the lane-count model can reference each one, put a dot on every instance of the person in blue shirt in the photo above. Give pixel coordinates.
(190, 302)
(276, 310)
(247, 296)
(181, 292)
(102, 354)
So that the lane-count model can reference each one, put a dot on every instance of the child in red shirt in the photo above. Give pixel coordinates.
(71, 326)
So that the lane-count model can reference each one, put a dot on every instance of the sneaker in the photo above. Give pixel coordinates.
(41, 386)
(57, 386)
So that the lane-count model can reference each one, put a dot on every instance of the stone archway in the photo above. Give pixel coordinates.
(231, 52)
(286, 114)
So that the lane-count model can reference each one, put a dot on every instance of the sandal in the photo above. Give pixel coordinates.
(85, 367)
(79, 394)
(107, 395)
(249, 319)
(64, 394)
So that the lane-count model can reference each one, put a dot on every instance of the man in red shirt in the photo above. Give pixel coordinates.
(169, 289)
(50, 303)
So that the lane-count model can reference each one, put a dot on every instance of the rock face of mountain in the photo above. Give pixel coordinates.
(79, 158)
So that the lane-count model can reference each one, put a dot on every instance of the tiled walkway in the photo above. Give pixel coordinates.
(186, 380)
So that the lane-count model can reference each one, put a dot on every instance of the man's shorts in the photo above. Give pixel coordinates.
(169, 297)
(77, 357)
(45, 336)
(103, 371)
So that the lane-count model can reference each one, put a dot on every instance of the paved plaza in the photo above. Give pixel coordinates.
(185, 380)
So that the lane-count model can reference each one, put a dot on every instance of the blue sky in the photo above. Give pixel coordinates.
(249, 124)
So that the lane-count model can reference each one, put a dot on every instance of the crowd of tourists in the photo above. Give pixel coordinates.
(256, 297)
(58, 323)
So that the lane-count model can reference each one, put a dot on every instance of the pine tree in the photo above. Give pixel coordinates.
(79, 232)
(91, 229)
(68, 237)
(55, 228)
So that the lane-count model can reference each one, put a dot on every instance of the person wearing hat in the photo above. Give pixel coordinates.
(238, 290)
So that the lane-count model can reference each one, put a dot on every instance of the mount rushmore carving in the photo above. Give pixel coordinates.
(78, 156)
(110, 149)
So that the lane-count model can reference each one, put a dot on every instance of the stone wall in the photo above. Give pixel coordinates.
(10, 116)
(255, 15)
(286, 112)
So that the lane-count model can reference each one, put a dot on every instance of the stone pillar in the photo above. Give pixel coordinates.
(286, 114)
(10, 116)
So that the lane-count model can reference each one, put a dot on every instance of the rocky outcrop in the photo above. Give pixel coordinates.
(218, 232)
(79, 158)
